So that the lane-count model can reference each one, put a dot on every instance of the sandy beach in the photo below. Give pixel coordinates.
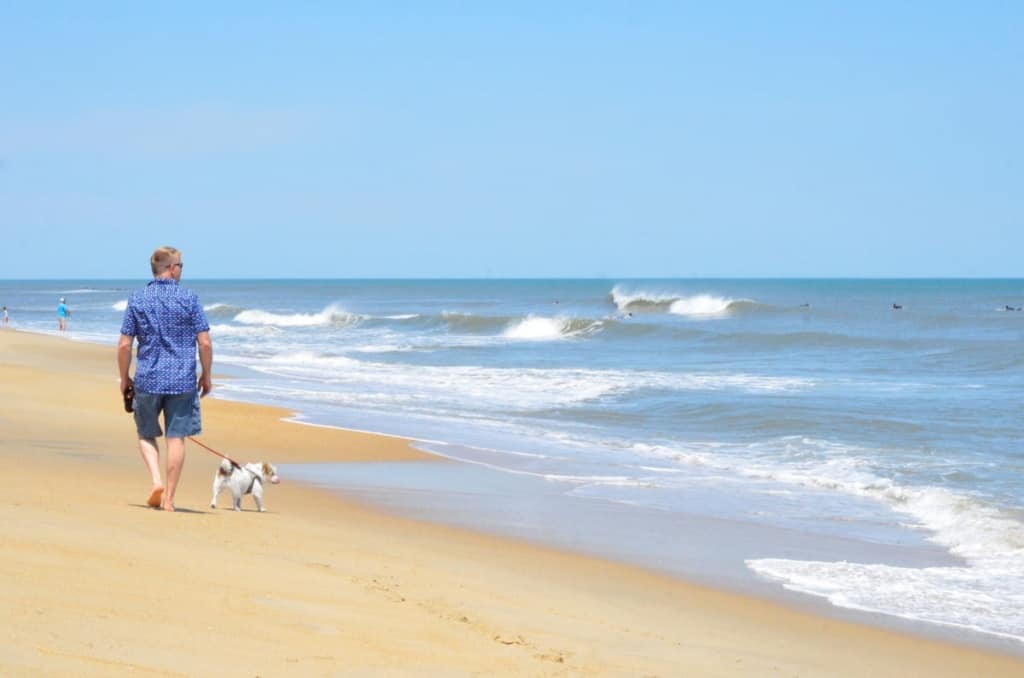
(97, 584)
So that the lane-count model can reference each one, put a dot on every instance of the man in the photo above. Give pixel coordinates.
(169, 323)
(62, 315)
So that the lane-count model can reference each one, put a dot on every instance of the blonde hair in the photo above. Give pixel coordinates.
(163, 258)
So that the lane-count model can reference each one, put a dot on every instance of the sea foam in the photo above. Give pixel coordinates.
(987, 593)
(451, 387)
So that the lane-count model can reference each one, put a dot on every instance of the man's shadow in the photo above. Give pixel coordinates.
(177, 510)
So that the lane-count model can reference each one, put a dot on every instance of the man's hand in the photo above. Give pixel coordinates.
(205, 385)
(124, 360)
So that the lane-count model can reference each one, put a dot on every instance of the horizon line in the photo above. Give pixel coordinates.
(518, 278)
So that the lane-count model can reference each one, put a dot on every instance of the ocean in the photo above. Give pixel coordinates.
(856, 441)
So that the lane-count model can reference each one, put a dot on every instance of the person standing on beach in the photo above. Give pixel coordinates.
(62, 315)
(169, 323)
(6, 319)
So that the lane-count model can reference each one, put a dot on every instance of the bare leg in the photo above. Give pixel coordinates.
(175, 463)
(151, 456)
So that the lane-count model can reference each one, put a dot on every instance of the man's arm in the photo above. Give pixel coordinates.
(206, 361)
(124, 359)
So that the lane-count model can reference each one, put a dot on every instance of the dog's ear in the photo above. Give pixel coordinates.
(268, 470)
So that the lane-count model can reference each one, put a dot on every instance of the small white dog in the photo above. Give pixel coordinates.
(246, 479)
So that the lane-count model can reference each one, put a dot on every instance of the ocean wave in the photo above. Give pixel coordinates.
(629, 328)
(528, 328)
(594, 480)
(331, 315)
(986, 594)
(950, 596)
(698, 305)
(404, 319)
(625, 300)
(224, 330)
(772, 341)
(540, 328)
(708, 305)
(473, 324)
(120, 305)
(380, 348)
(464, 390)
(221, 310)
(980, 358)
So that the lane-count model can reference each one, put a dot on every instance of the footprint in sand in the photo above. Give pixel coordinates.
(509, 640)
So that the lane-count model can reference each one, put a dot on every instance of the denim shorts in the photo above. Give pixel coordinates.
(181, 414)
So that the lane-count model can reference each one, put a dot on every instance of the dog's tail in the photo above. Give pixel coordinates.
(225, 468)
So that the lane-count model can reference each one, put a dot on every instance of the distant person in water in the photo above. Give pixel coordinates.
(6, 319)
(1011, 308)
(62, 315)
(896, 307)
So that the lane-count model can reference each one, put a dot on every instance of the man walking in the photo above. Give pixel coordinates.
(169, 323)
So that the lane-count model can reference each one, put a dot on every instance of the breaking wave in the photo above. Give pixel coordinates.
(529, 328)
(222, 330)
(540, 328)
(332, 315)
(983, 594)
(707, 305)
(698, 305)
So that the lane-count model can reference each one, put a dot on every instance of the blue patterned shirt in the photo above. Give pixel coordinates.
(165, 318)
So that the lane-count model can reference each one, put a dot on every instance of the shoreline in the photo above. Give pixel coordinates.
(330, 584)
(460, 494)
(727, 569)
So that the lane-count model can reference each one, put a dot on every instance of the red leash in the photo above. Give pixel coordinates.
(210, 449)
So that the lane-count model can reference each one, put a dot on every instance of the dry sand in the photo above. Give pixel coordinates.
(96, 584)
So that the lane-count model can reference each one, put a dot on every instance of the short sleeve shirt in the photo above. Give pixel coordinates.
(165, 318)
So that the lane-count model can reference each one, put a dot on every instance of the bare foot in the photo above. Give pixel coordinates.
(155, 495)
(167, 507)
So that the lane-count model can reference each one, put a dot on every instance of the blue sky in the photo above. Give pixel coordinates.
(518, 139)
